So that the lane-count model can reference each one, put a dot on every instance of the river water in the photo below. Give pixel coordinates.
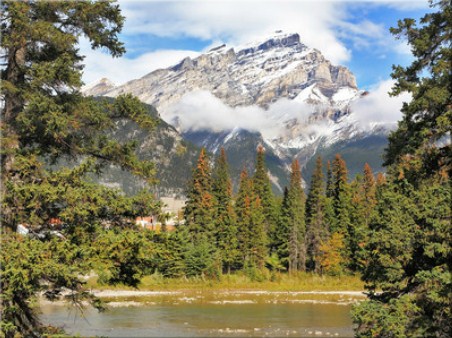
(191, 317)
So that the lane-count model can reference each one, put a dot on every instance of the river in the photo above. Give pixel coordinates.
(250, 316)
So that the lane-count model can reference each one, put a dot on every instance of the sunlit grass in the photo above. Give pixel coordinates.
(281, 282)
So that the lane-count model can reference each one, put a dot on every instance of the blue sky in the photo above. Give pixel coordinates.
(354, 33)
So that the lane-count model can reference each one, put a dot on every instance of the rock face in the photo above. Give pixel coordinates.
(301, 99)
(259, 73)
(100, 87)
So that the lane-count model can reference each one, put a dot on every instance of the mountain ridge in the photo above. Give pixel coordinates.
(286, 94)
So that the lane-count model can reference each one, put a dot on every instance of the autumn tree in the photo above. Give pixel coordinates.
(200, 206)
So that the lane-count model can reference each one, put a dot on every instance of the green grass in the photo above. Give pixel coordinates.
(282, 282)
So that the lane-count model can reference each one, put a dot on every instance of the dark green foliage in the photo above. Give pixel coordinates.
(122, 256)
(25, 263)
(263, 189)
(251, 234)
(291, 231)
(424, 133)
(201, 259)
(281, 242)
(340, 196)
(362, 211)
(225, 219)
(46, 119)
(316, 223)
(409, 253)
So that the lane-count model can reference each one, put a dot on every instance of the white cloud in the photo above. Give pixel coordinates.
(201, 110)
(120, 70)
(240, 22)
(378, 108)
(324, 25)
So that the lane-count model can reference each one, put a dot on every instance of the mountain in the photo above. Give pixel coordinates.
(174, 158)
(277, 92)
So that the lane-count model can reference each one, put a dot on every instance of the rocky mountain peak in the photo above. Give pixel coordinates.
(99, 87)
(277, 90)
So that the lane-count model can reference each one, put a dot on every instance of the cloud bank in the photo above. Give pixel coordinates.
(201, 110)
(378, 108)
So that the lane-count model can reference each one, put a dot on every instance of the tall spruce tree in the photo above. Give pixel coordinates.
(199, 212)
(282, 233)
(329, 180)
(362, 210)
(409, 253)
(263, 189)
(294, 228)
(340, 195)
(46, 119)
(316, 226)
(251, 232)
(225, 220)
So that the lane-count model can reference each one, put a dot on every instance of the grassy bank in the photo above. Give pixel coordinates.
(282, 282)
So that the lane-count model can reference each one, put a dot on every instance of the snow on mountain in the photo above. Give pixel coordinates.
(284, 90)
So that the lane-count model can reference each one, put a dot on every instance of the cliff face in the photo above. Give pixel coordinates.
(259, 74)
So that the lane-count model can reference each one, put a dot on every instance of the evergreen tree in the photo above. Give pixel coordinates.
(408, 258)
(329, 180)
(363, 207)
(409, 250)
(293, 230)
(200, 206)
(45, 117)
(250, 224)
(317, 231)
(282, 235)
(340, 195)
(44, 120)
(422, 140)
(225, 220)
(263, 189)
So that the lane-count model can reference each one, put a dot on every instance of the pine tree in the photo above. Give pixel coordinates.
(263, 189)
(200, 205)
(423, 137)
(282, 233)
(363, 190)
(250, 224)
(45, 120)
(225, 220)
(329, 180)
(340, 196)
(408, 270)
(293, 229)
(317, 231)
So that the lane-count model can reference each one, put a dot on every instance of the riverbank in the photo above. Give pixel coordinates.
(231, 289)
(300, 282)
